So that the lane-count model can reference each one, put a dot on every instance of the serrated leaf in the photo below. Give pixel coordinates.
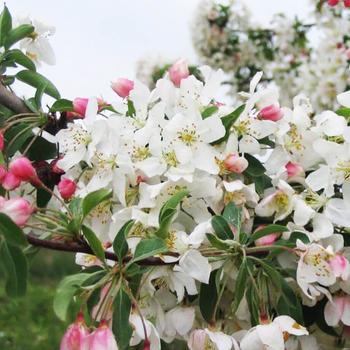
(18, 34)
(149, 247)
(208, 297)
(37, 80)
(11, 232)
(94, 243)
(121, 326)
(221, 227)
(233, 215)
(267, 230)
(228, 121)
(62, 105)
(93, 199)
(120, 244)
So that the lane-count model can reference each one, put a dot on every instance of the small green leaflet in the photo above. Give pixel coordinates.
(94, 243)
(95, 198)
(120, 244)
(12, 233)
(149, 247)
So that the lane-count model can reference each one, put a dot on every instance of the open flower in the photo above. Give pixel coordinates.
(272, 335)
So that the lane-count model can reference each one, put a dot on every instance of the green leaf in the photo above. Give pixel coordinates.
(5, 24)
(20, 58)
(289, 304)
(31, 104)
(228, 121)
(221, 227)
(168, 211)
(209, 111)
(16, 269)
(65, 292)
(42, 197)
(344, 112)
(18, 34)
(275, 276)
(298, 235)
(267, 230)
(241, 284)
(21, 267)
(41, 149)
(233, 215)
(173, 202)
(12, 233)
(208, 297)
(120, 245)
(62, 105)
(95, 198)
(37, 80)
(94, 243)
(217, 242)
(121, 326)
(131, 109)
(16, 137)
(39, 94)
(255, 168)
(149, 247)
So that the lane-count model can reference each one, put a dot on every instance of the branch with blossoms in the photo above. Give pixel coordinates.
(195, 223)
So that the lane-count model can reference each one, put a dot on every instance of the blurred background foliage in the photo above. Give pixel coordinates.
(29, 323)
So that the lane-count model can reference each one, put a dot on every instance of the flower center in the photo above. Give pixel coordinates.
(171, 159)
(344, 167)
(188, 136)
(140, 153)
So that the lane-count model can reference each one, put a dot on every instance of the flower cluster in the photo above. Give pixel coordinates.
(225, 37)
(195, 223)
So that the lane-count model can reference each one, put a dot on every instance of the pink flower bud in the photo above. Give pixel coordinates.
(294, 169)
(122, 87)
(102, 338)
(268, 239)
(333, 2)
(146, 345)
(347, 3)
(2, 141)
(178, 71)
(10, 182)
(18, 209)
(75, 336)
(197, 340)
(66, 188)
(272, 112)
(340, 266)
(79, 105)
(23, 169)
(235, 163)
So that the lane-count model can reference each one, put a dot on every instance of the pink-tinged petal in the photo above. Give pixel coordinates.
(23, 169)
(345, 318)
(18, 209)
(236, 164)
(75, 336)
(294, 169)
(66, 188)
(272, 113)
(122, 87)
(10, 182)
(197, 340)
(334, 311)
(340, 266)
(102, 338)
(2, 141)
(178, 71)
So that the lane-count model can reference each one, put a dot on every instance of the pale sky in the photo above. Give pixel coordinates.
(98, 41)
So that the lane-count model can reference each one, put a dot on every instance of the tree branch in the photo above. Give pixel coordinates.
(82, 247)
(11, 101)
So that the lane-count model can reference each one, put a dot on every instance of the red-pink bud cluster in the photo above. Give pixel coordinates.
(78, 337)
